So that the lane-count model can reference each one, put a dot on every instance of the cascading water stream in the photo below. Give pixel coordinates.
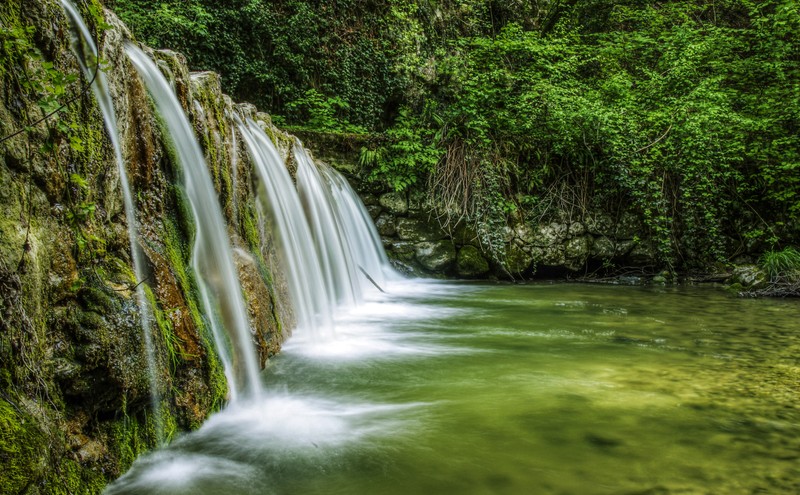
(88, 57)
(360, 232)
(310, 293)
(212, 258)
(330, 238)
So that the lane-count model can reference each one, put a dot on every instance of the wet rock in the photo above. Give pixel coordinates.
(374, 211)
(576, 229)
(471, 263)
(600, 224)
(551, 235)
(517, 261)
(603, 248)
(630, 280)
(260, 307)
(552, 255)
(576, 252)
(402, 251)
(386, 226)
(436, 256)
(413, 229)
(524, 235)
(749, 277)
(395, 202)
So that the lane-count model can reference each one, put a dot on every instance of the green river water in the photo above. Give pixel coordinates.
(445, 388)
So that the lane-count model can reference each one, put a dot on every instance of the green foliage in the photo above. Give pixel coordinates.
(321, 113)
(686, 113)
(35, 78)
(782, 266)
(410, 153)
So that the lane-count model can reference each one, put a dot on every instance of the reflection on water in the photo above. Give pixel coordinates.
(514, 389)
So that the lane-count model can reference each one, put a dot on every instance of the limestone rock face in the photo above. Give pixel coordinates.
(416, 229)
(74, 386)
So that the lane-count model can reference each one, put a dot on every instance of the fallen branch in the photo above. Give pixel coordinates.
(370, 279)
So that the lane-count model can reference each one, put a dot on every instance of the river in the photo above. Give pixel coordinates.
(546, 388)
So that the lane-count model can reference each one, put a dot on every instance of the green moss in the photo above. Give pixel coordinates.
(169, 424)
(179, 262)
(95, 299)
(171, 342)
(251, 233)
(70, 478)
(22, 446)
(131, 437)
(183, 227)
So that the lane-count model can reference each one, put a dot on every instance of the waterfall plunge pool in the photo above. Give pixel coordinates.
(465, 388)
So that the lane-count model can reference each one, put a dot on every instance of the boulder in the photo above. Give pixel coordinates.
(394, 202)
(551, 235)
(436, 256)
(386, 225)
(749, 277)
(517, 260)
(576, 252)
(413, 229)
(471, 263)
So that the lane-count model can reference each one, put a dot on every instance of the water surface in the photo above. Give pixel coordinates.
(443, 388)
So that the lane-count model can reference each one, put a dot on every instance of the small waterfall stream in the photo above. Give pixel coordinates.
(212, 257)
(359, 231)
(88, 59)
(311, 294)
(329, 236)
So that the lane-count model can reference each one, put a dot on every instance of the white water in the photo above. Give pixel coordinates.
(311, 298)
(212, 258)
(362, 238)
(330, 239)
(88, 58)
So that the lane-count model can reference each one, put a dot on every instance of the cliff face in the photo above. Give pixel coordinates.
(74, 388)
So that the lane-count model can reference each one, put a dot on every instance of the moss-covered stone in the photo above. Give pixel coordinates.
(22, 449)
(436, 256)
(470, 263)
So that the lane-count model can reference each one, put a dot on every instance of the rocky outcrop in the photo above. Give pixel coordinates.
(74, 391)
(556, 244)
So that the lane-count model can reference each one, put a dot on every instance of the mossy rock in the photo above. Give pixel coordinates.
(438, 257)
(22, 449)
(470, 262)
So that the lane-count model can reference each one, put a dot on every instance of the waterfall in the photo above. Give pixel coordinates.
(310, 291)
(212, 257)
(88, 58)
(330, 238)
(361, 235)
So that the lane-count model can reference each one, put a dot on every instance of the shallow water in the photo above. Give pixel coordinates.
(442, 388)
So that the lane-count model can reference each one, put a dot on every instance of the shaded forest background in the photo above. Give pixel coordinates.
(685, 112)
